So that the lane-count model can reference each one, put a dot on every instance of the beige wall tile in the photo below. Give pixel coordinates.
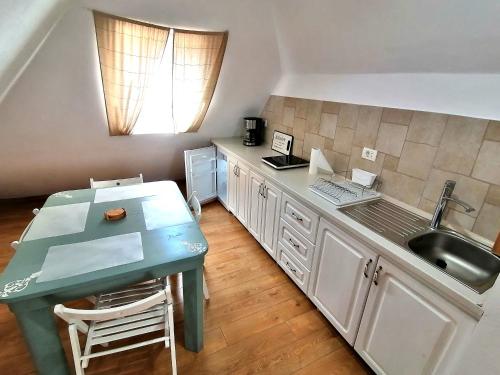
(289, 102)
(471, 191)
(301, 108)
(288, 116)
(299, 128)
(339, 162)
(458, 218)
(275, 103)
(460, 144)
(313, 117)
(391, 138)
(356, 161)
(331, 107)
(328, 125)
(488, 222)
(297, 148)
(328, 144)
(348, 115)
(487, 167)
(402, 187)
(397, 116)
(391, 163)
(467, 189)
(427, 205)
(310, 141)
(427, 127)
(493, 131)
(493, 196)
(435, 183)
(367, 126)
(343, 140)
(416, 159)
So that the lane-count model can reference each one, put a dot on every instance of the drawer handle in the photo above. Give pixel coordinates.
(367, 265)
(298, 218)
(376, 275)
(291, 268)
(293, 243)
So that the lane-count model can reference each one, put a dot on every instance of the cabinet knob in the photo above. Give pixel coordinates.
(293, 243)
(291, 268)
(298, 218)
(376, 275)
(367, 265)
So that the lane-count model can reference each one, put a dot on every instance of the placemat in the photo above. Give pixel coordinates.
(82, 257)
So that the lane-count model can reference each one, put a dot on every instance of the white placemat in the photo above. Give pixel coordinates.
(82, 257)
(159, 213)
(129, 192)
(58, 221)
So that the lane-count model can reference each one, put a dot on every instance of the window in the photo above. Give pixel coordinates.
(156, 79)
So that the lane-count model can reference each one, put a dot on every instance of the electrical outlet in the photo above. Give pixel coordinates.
(369, 154)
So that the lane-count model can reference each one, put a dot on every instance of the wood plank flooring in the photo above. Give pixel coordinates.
(257, 320)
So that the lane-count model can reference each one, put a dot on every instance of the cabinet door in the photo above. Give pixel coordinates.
(255, 200)
(409, 329)
(270, 217)
(222, 176)
(344, 270)
(201, 171)
(242, 207)
(232, 187)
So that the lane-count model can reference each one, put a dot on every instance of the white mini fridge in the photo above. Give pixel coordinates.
(206, 174)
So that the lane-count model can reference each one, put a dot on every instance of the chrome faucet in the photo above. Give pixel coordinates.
(446, 196)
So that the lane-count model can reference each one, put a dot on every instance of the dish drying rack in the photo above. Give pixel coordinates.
(343, 193)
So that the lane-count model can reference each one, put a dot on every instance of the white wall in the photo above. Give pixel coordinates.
(439, 56)
(23, 27)
(474, 95)
(53, 132)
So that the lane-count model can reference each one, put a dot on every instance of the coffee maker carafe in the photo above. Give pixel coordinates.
(253, 131)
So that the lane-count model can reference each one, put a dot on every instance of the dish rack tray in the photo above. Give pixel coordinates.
(343, 193)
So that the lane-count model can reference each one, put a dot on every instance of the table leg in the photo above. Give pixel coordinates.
(192, 282)
(42, 337)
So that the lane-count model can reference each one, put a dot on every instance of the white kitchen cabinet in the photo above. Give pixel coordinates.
(255, 185)
(344, 269)
(238, 189)
(270, 217)
(407, 328)
(232, 186)
(264, 201)
(242, 176)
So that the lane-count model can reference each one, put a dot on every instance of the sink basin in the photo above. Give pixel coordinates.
(466, 260)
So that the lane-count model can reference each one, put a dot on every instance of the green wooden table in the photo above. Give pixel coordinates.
(168, 250)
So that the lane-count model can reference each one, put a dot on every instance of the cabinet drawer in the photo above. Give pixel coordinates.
(297, 272)
(301, 218)
(296, 244)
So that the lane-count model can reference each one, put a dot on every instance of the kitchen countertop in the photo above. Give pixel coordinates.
(296, 183)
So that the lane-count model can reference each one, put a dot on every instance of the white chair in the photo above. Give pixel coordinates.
(195, 206)
(15, 244)
(141, 309)
(120, 182)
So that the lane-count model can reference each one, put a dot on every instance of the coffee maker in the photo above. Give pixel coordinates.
(254, 127)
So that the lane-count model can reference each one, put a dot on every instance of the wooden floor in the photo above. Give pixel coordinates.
(257, 320)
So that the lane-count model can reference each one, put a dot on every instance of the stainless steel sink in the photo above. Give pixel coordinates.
(462, 258)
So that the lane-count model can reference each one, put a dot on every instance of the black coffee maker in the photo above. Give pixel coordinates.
(254, 127)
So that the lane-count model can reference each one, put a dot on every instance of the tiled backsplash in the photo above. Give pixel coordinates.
(417, 152)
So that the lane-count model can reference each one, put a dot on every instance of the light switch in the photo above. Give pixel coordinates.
(369, 154)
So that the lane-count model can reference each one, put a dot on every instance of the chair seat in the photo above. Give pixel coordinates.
(147, 321)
